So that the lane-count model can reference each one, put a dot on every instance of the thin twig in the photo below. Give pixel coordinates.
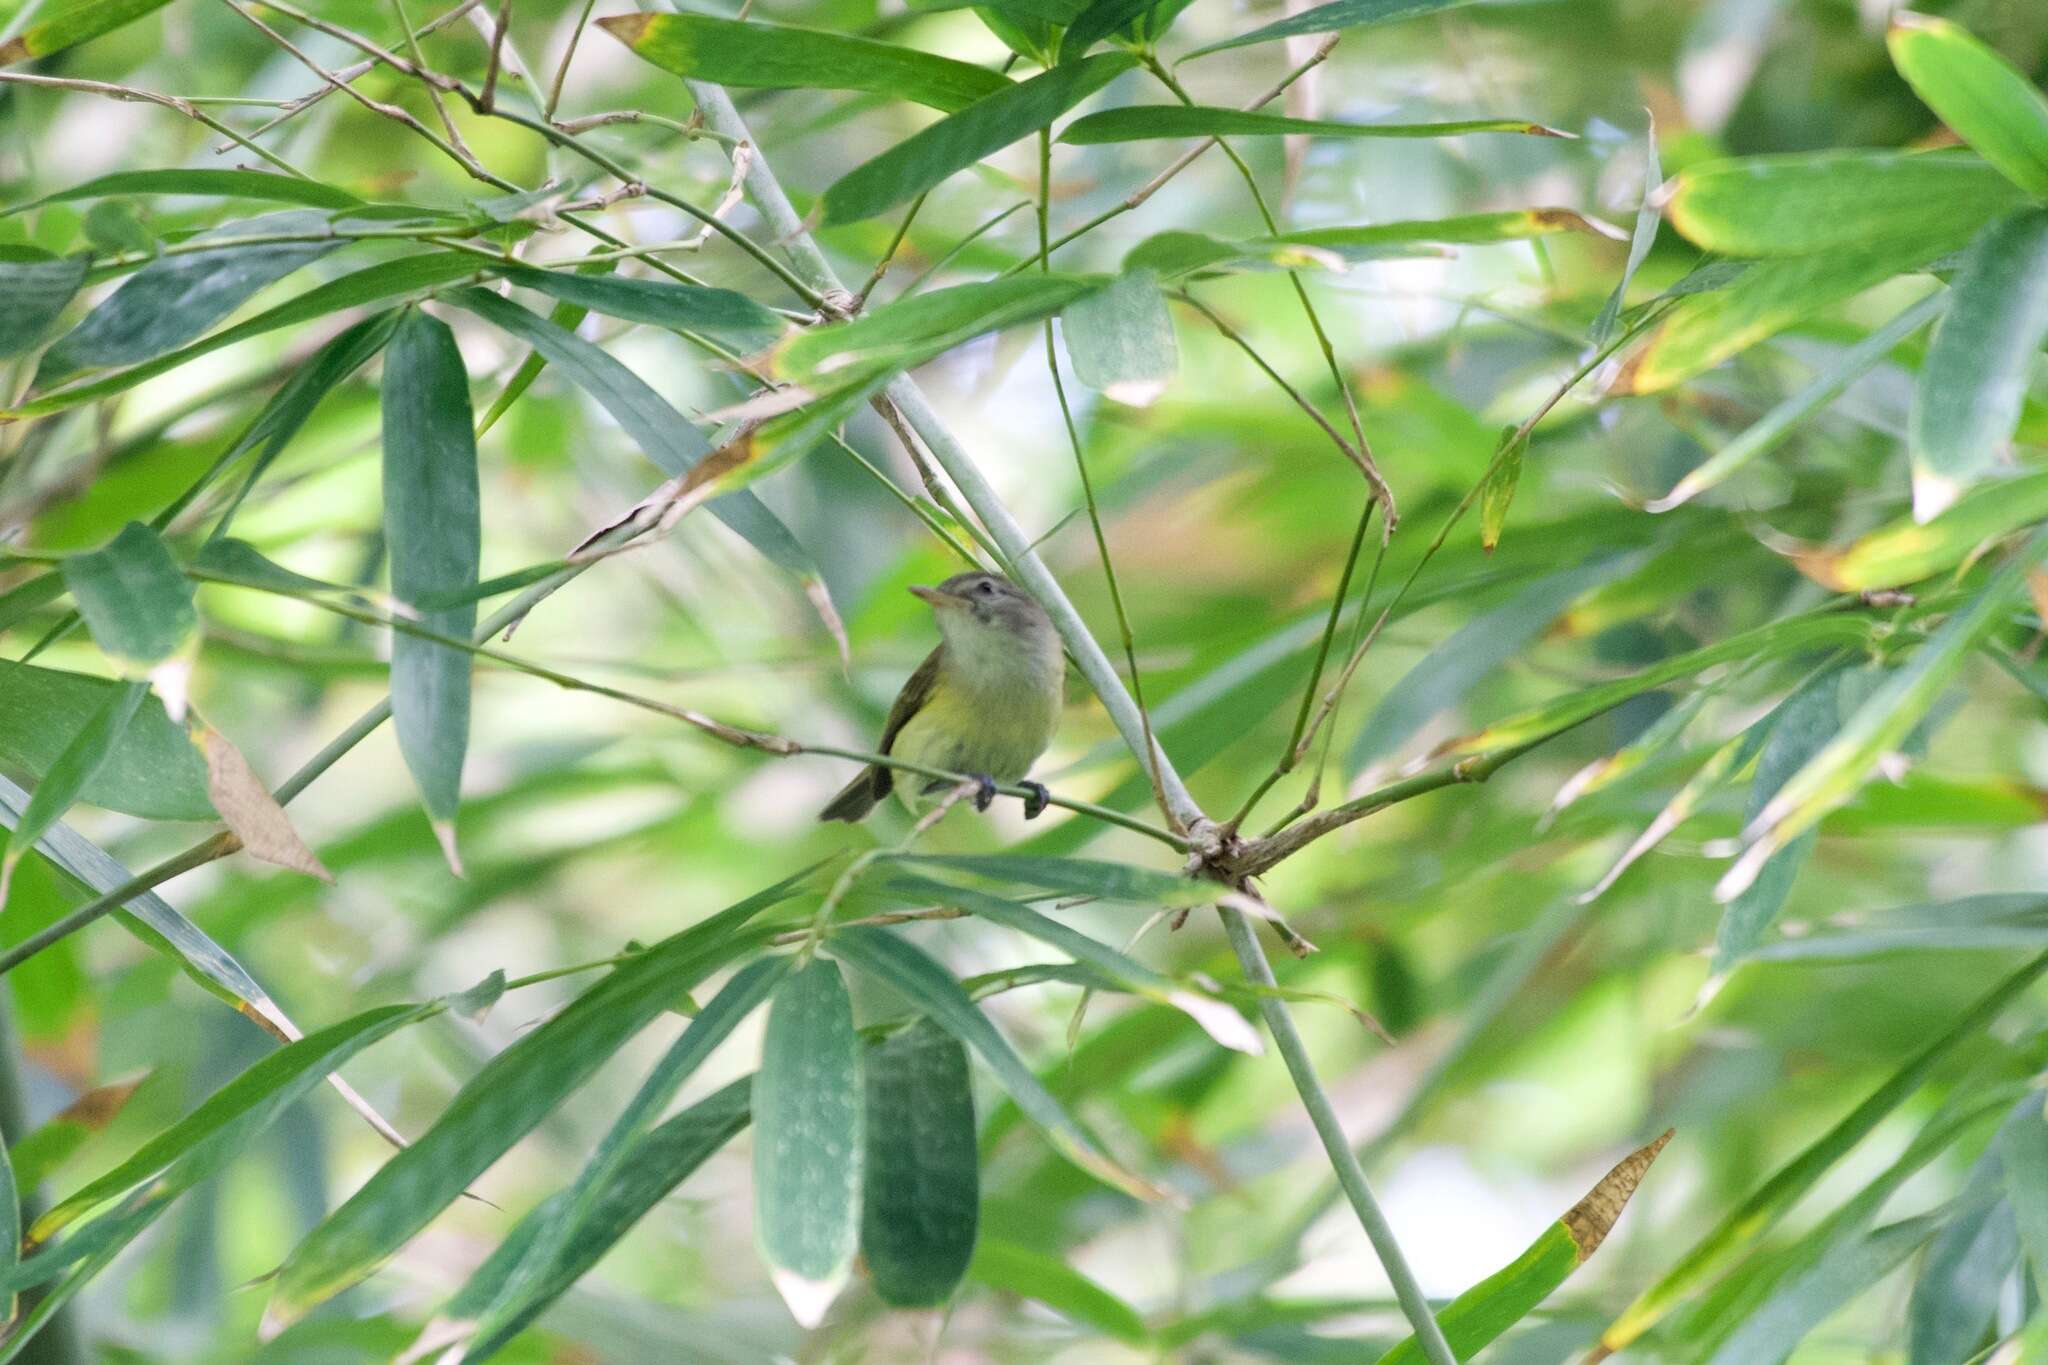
(568, 55)
(487, 98)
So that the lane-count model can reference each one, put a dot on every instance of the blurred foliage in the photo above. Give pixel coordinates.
(1718, 560)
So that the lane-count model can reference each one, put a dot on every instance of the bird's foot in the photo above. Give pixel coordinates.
(1035, 803)
(984, 791)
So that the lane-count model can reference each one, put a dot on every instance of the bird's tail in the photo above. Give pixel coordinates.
(858, 797)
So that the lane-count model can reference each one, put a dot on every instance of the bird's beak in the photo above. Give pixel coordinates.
(936, 597)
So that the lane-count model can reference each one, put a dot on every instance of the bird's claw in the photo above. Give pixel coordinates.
(984, 791)
(1035, 803)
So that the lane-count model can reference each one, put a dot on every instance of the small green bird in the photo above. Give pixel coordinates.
(985, 702)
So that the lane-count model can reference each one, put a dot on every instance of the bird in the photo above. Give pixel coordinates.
(986, 702)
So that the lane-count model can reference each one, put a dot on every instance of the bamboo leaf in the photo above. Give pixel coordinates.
(1768, 432)
(33, 292)
(136, 601)
(1706, 329)
(1148, 122)
(909, 331)
(432, 525)
(1967, 402)
(932, 989)
(1806, 202)
(659, 303)
(1180, 252)
(1880, 724)
(40, 1154)
(75, 766)
(963, 138)
(1906, 551)
(1971, 923)
(781, 57)
(1640, 241)
(921, 1189)
(1744, 1225)
(175, 298)
(648, 1172)
(1028, 1274)
(1072, 876)
(1331, 18)
(1482, 1313)
(571, 1231)
(1499, 493)
(213, 184)
(373, 284)
(808, 1119)
(72, 23)
(1785, 1319)
(1221, 1022)
(2022, 1147)
(1103, 18)
(1988, 101)
(247, 807)
(1120, 339)
(514, 1091)
(1957, 1292)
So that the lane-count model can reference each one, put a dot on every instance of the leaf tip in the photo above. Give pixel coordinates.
(1933, 494)
(1592, 1218)
(807, 1298)
(627, 28)
(444, 833)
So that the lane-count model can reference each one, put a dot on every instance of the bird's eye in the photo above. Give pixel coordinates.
(985, 588)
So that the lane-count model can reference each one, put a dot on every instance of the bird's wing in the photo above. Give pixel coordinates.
(912, 698)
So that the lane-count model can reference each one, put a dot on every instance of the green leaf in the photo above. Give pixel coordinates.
(1846, 1271)
(33, 291)
(513, 1091)
(959, 140)
(374, 284)
(570, 1231)
(673, 443)
(214, 1132)
(152, 772)
(73, 23)
(432, 526)
(1072, 876)
(1499, 494)
(135, 600)
(1988, 101)
(931, 988)
(780, 57)
(1640, 241)
(175, 298)
(1972, 923)
(1028, 1274)
(647, 1173)
(659, 303)
(2022, 1147)
(1768, 432)
(1141, 123)
(1706, 329)
(1218, 1020)
(921, 1191)
(909, 331)
(219, 184)
(82, 758)
(1120, 339)
(1967, 402)
(1179, 252)
(1905, 551)
(1105, 17)
(1342, 14)
(808, 1120)
(1741, 1228)
(1961, 1281)
(1880, 724)
(1807, 202)
(1481, 646)
(1482, 1313)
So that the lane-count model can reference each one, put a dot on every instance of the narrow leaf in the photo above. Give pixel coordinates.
(1499, 494)
(808, 1117)
(432, 526)
(82, 758)
(659, 303)
(248, 808)
(961, 139)
(1330, 18)
(71, 23)
(1640, 241)
(1988, 101)
(1482, 1313)
(781, 57)
(909, 331)
(175, 298)
(1029, 1274)
(1967, 402)
(213, 184)
(1141, 123)
(921, 1189)
(33, 292)
(932, 989)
